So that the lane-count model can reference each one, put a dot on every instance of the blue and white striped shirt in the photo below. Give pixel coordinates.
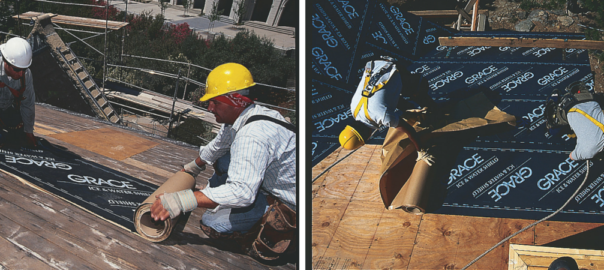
(28, 111)
(263, 155)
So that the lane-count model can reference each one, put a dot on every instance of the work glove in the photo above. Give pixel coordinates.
(179, 202)
(30, 139)
(424, 156)
(193, 169)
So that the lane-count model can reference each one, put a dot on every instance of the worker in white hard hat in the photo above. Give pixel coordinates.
(380, 101)
(254, 157)
(17, 96)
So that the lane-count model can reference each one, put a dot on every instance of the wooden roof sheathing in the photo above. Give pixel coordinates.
(71, 20)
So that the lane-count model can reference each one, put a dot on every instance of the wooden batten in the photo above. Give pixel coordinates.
(441, 13)
(71, 20)
(539, 257)
(521, 42)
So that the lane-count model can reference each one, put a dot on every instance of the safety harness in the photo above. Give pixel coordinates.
(18, 94)
(374, 81)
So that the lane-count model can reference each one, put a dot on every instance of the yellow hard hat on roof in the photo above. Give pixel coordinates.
(351, 139)
(227, 78)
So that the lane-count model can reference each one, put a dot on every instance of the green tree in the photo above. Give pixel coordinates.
(186, 4)
(240, 11)
(214, 15)
(163, 4)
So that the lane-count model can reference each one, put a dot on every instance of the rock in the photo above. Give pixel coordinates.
(522, 14)
(565, 20)
(537, 15)
(558, 12)
(524, 26)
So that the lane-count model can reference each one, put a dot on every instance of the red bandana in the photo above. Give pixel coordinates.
(235, 100)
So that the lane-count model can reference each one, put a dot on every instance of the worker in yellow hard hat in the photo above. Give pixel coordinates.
(254, 150)
(379, 101)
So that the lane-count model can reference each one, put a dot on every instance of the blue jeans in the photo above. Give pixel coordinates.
(232, 220)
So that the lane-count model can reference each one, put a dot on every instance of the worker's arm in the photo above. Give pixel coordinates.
(159, 212)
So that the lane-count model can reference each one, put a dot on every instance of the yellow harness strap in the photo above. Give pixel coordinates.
(365, 98)
(596, 122)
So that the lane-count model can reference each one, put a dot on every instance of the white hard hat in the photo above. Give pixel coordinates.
(17, 52)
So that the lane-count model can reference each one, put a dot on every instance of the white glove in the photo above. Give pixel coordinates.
(177, 202)
(423, 155)
(193, 169)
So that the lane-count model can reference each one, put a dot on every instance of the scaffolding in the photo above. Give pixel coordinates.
(110, 26)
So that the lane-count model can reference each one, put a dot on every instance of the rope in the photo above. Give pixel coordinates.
(535, 223)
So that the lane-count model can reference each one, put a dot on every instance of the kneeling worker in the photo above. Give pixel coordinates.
(580, 110)
(254, 156)
(376, 99)
(17, 97)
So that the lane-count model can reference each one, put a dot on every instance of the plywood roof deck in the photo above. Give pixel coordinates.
(351, 229)
(40, 231)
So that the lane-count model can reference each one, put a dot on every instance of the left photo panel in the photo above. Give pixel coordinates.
(149, 134)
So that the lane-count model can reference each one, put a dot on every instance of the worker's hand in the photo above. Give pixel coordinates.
(424, 156)
(158, 212)
(30, 139)
(193, 169)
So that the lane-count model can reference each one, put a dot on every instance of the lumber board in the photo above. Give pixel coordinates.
(394, 241)
(538, 257)
(361, 220)
(109, 142)
(344, 177)
(442, 13)
(322, 166)
(521, 42)
(550, 231)
(15, 257)
(326, 216)
(64, 121)
(368, 188)
(72, 20)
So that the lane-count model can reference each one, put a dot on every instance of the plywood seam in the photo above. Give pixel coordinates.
(419, 224)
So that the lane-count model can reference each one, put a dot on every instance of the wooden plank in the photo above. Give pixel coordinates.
(550, 231)
(15, 257)
(108, 142)
(356, 233)
(454, 241)
(326, 216)
(344, 178)
(535, 257)
(521, 42)
(394, 241)
(71, 20)
(441, 13)
(148, 167)
(368, 189)
(463, 13)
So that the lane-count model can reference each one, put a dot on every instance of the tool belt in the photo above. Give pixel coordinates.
(273, 236)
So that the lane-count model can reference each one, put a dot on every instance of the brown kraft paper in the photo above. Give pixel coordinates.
(403, 181)
(159, 231)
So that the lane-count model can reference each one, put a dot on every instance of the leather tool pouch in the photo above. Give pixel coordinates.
(274, 235)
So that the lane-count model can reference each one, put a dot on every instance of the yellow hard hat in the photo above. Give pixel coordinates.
(227, 78)
(350, 138)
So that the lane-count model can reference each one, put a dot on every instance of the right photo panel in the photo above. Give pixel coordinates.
(456, 134)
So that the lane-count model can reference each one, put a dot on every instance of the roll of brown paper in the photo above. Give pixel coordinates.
(159, 231)
(411, 197)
